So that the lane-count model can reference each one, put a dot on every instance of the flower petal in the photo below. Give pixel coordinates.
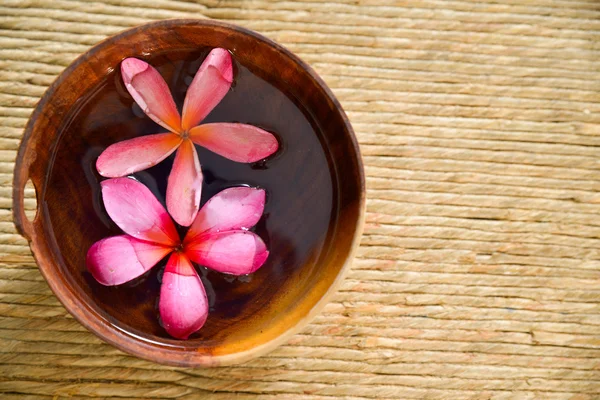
(210, 85)
(119, 259)
(129, 156)
(151, 93)
(183, 304)
(233, 252)
(184, 187)
(133, 207)
(235, 208)
(237, 142)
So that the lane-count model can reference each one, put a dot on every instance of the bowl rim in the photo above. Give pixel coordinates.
(77, 308)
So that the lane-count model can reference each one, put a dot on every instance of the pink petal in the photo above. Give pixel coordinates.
(136, 154)
(210, 85)
(133, 207)
(151, 93)
(233, 252)
(184, 187)
(235, 208)
(183, 304)
(237, 142)
(119, 259)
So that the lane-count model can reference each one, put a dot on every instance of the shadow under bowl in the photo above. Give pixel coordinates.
(315, 191)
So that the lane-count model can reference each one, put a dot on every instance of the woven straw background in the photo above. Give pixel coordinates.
(478, 273)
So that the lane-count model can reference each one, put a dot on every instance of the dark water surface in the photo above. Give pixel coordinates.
(300, 208)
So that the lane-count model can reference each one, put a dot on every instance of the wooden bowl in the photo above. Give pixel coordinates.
(313, 217)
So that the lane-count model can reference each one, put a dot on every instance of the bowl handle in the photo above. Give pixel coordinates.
(24, 226)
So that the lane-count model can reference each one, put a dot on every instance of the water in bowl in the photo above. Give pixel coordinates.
(299, 213)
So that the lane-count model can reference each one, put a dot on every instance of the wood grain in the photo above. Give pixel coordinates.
(478, 274)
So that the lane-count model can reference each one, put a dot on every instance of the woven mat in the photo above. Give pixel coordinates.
(478, 274)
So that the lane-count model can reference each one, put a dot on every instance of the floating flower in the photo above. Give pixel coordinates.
(235, 141)
(218, 238)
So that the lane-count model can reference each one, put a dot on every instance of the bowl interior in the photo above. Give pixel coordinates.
(314, 189)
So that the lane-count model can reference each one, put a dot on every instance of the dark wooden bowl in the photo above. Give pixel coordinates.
(310, 248)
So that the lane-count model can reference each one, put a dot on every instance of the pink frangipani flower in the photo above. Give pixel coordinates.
(235, 141)
(218, 238)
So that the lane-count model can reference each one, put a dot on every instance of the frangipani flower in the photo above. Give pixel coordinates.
(235, 141)
(218, 239)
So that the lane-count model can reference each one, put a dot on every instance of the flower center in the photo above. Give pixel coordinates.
(185, 134)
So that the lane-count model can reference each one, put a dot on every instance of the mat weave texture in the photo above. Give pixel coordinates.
(478, 273)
